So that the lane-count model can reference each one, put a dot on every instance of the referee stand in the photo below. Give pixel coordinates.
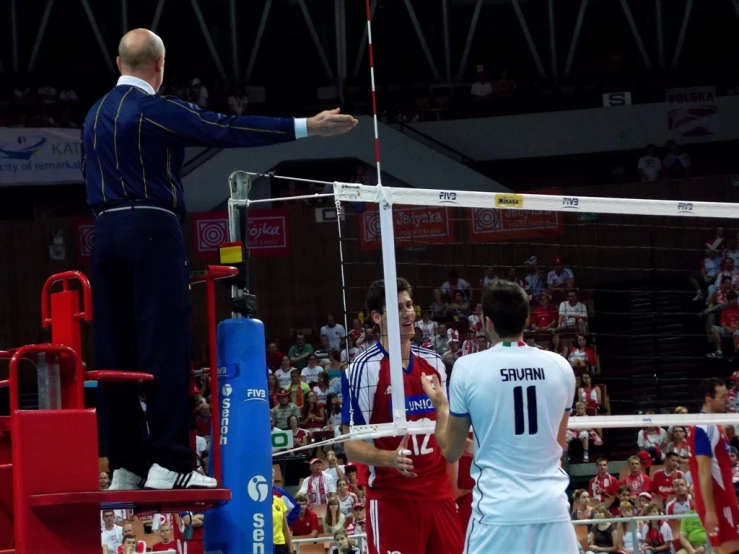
(50, 500)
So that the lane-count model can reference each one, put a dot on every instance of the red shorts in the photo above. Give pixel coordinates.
(413, 527)
(728, 525)
(464, 511)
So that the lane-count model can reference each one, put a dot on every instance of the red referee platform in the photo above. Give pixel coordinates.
(50, 500)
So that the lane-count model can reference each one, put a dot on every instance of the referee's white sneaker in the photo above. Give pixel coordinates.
(163, 479)
(124, 480)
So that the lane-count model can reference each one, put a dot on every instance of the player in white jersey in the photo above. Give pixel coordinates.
(517, 399)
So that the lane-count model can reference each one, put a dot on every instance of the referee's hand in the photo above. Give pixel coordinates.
(329, 123)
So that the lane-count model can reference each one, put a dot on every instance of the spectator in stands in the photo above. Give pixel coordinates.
(727, 270)
(284, 410)
(717, 302)
(284, 371)
(358, 525)
(710, 268)
(309, 374)
(604, 486)
(167, 543)
(344, 545)
(198, 94)
(104, 480)
(346, 498)
(482, 343)
(657, 534)
(460, 307)
(650, 166)
(307, 523)
(676, 162)
(348, 350)
(323, 351)
(573, 314)
(590, 394)
(627, 530)
(298, 389)
(237, 101)
(441, 340)
(581, 510)
(582, 355)
(312, 414)
(734, 468)
(203, 420)
(334, 520)
(482, 89)
(321, 388)
(636, 480)
(682, 503)
(299, 352)
(583, 435)
(488, 277)
(718, 242)
(642, 502)
(560, 277)
(453, 354)
(453, 284)
(274, 356)
(318, 487)
(513, 277)
(469, 346)
(474, 320)
(439, 307)
(536, 281)
(111, 534)
(427, 325)
(679, 444)
(352, 479)
(728, 326)
(732, 251)
(544, 317)
(662, 479)
(334, 331)
(356, 331)
(273, 387)
(138, 546)
(281, 534)
(129, 545)
(603, 535)
(653, 441)
(623, 495)
(334, 470)
(300, 436)
(556, 345)
(693, 537)
(505, 86)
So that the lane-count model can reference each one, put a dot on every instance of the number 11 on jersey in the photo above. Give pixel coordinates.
(520, 417)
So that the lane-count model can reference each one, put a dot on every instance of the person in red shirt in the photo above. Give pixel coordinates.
(307, 523)
(544, 316)
(728, 325)
(167, 542)
(637, 481)
(274, 356)
(603, 486)
(202, 421)
(662, 479)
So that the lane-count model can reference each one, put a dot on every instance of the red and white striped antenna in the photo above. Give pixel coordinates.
(374, 92)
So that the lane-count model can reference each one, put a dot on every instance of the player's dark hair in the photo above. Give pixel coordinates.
(601, 459)
(376, 294)
(507, 306)
(672, 454)
(708, 387)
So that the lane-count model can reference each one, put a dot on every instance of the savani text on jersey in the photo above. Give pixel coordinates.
(367, 389)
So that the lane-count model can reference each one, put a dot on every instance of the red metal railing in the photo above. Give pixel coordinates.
(64, 277)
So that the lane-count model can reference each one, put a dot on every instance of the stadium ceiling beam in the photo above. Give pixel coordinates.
(157, 16)
(660, 33)
(234, 40)
(14, 33)
(40, 34)
(683, 31)
(736, 6)
(529, 38)
(422, 40)
(363, 41)
(208, 40)
(552, 38)
(316, 40)
(98, 36)
(340, 23)
(258, 40)
(124, 17)
(635, 32)
(447, 48)
(575, 37)
(470, 38)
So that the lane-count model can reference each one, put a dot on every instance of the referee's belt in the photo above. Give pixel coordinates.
(124, 205)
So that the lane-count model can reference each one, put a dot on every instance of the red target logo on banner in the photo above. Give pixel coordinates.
(211, 234)
(268, 233)
(85, 236)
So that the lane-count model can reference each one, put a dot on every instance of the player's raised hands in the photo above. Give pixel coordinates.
(329, 123)
(400, 459)
(433, 389)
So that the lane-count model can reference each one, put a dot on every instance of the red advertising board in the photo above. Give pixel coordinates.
(414, 226)
(490, 225)
(268, 230)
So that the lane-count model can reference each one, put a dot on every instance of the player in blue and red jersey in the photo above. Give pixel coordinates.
(411, 507)
(710, 466)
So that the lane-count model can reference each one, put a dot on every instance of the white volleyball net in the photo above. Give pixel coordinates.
(380, 232)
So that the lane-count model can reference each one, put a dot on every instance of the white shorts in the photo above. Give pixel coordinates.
(534, 538)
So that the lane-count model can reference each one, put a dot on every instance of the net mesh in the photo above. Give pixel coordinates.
(633, 266)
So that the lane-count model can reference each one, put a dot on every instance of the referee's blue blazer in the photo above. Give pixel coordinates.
(133, 143)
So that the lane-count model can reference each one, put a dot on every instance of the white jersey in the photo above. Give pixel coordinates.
(515, 397)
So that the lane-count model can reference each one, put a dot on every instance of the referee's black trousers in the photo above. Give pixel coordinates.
(141, 322)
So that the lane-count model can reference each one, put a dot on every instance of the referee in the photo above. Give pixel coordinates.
(133, 145)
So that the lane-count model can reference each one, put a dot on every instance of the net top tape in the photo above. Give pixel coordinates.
(352, 192)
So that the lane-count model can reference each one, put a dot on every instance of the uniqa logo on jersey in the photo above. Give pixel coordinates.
(226, 391)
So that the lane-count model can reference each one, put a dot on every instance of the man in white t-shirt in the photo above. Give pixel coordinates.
(519, 398)
(334, 332)
(453, 284)
(682, 503)
(560, 277)
(482, 89)
(573, 314)
(650, 166)
(318, 486)
(111, 535)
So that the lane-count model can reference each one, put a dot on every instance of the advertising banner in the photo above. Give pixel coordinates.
(268, 230)
(40, 156)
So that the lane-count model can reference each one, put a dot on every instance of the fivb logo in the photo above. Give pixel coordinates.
(447, 197)
(570, 203)
(685, 208)
(226, 391)
(256, 395)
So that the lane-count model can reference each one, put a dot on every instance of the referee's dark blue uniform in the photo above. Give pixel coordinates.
(133, 150)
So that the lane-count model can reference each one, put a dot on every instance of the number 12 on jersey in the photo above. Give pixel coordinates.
(520, 416)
